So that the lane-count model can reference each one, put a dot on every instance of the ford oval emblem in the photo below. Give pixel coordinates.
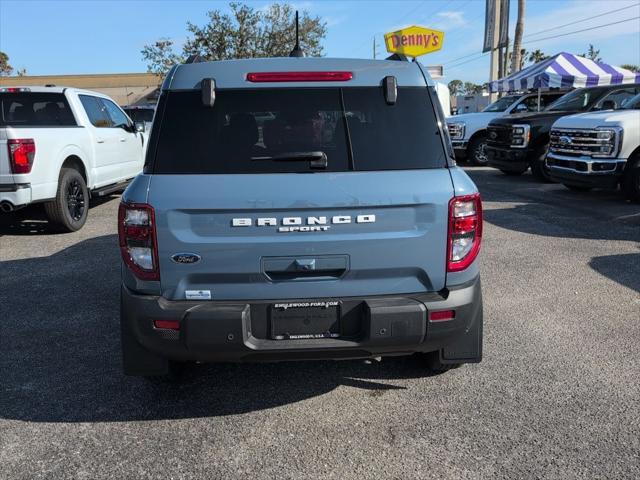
(564, 140)
(185, 258)
(493, 135)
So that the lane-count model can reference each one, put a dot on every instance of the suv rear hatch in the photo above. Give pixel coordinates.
(284, 193)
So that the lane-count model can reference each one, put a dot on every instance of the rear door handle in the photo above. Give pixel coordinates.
(100, 140)
(123, 139)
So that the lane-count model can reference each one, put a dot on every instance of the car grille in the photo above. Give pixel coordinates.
(577, 143)
(499, 135)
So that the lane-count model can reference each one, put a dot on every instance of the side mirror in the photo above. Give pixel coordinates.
(139, 127)
(521, 107)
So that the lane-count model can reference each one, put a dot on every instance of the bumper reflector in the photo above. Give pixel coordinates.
(442, 316)
(167, 324)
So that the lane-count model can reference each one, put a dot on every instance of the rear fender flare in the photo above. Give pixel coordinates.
(76, 151)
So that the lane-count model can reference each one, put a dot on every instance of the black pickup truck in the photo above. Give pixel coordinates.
(519, 141)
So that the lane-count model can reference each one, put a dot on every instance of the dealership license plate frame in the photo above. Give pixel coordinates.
(304, 320)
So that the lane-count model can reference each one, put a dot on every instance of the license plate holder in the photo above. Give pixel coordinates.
(304, 320)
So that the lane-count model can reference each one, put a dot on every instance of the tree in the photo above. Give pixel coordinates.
(160, 56)
(21, 72)
(629, 66)
(537, 56)
(455, 87)
(516, 58)
(592, 54)
(5, 68)
(243, 33)
(469, 87)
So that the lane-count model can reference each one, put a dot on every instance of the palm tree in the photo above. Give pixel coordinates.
(629, 66)
(537, 56)
(516, 63)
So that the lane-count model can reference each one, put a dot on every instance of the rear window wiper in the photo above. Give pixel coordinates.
(315, 159)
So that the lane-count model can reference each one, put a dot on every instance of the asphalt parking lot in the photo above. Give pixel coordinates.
(557, 395)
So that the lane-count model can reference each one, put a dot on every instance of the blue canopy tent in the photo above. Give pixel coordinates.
(564, 70)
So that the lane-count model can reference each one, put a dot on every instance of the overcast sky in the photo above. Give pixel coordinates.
(85, 36)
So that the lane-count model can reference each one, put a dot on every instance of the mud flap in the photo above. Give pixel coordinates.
(468, 347)
(137, 360)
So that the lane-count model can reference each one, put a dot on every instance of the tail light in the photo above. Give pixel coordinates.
(465, 231)
(21, 154)
(260, 77)
(138, 241)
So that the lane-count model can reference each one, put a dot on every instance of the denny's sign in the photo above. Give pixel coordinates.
(414, 41)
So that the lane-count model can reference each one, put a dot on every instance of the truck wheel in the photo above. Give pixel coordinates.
(70, 208)
(538, 168)
(631, 180)
(477, 153)
(577, 188)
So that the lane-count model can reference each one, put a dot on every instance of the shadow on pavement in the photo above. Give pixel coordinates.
(624, 269)
(60, 353)
(32, 220)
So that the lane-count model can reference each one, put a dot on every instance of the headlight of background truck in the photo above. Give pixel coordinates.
(456, 130)
(520, 136)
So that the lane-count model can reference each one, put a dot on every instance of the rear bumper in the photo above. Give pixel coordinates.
(595, 173)
(371, 326)
(507, 158)
(18, 194)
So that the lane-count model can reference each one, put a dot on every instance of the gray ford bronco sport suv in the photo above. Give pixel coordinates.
(299, 208)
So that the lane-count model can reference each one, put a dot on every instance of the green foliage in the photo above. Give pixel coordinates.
(160, 56)
(5, 68)
(537, 56)
(592, 54)
(629, 66)
(245, 32)
(455, 87)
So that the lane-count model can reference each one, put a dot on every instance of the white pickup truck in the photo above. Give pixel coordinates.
(468, 131)
(61, 146)
(598, 150)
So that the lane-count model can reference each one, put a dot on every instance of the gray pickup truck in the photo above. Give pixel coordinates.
(299, 208)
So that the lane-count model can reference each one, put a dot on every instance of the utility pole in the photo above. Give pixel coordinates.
(375, 46)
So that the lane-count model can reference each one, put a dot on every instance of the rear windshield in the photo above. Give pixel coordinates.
(26, 109)
(279, 130)
(140, 114)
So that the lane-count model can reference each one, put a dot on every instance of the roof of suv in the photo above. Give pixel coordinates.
(233, 73)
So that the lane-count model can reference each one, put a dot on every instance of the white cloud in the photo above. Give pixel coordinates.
(450, 20)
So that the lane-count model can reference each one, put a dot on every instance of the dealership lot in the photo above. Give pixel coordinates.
(556, 395)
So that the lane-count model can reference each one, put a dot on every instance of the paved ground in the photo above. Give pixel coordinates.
(557, 396)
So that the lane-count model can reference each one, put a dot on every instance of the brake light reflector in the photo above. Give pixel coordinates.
(465, 231)
(261, 77)
(442, 315)
(21, 154)
(167, 324)
(138, 242)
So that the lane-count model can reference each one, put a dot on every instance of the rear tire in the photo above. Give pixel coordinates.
(577, 188)
(70, 208)
(631, 180)
(476, 152)
(538, 167)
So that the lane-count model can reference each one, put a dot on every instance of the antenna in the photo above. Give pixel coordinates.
(297, 51)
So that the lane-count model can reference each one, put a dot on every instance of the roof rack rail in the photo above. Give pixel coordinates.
(194, 59)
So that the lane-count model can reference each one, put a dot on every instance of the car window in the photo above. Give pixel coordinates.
(577, 101)
(140, 114)
(501, 104)
(532, 102)
(117, 116)
(35, 109)
(615, 99)
(255, 131)
(96, 111)
(632, 103)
